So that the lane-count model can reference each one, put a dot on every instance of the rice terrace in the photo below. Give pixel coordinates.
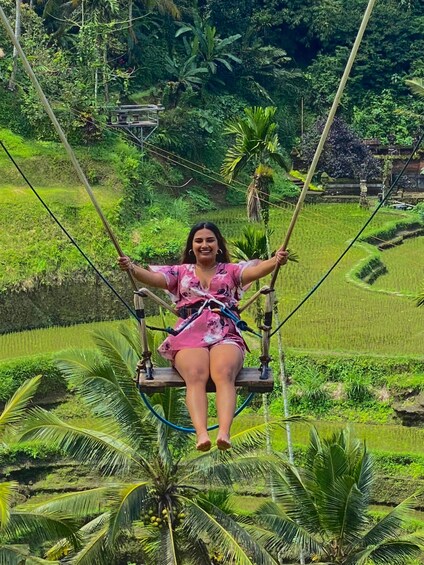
(262, 164)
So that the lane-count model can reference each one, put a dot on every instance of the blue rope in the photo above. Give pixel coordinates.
(189, 430)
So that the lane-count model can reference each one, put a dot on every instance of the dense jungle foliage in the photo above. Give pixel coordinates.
(205, 61)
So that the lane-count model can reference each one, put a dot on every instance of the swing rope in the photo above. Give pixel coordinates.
(357, 236)
(270, 299)
(265, 358)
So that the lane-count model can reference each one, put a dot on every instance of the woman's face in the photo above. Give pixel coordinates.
(205, 246)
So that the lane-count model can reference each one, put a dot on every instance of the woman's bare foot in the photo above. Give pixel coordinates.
(223, 443)
(203, 443)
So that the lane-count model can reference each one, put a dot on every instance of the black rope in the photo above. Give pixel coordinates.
(327, 274)
(68, 235)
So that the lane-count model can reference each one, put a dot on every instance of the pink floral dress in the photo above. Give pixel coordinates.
(210, 328)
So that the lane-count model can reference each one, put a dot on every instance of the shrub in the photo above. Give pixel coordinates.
(200, 199)
(309, 386)
(357, 386)
(15, 373)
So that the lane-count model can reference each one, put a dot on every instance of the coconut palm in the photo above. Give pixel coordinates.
(324, 507)
(420, 299)
(151, 490)
(256, 143)
(17, 524)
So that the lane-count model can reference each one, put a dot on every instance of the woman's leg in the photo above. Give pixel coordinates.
(193, 366)
(226, 360)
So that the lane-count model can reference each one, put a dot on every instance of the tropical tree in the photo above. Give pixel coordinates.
(155, 491)
(38, 527)
(256, 143)
(344, 154)
(186, 75)
(212, 51)
(324, 507)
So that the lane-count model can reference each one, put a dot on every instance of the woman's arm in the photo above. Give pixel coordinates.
(157, 280)
(264, 268)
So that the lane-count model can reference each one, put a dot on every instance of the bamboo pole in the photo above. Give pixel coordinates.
(323, 139)
(270, 300)
(62, 136)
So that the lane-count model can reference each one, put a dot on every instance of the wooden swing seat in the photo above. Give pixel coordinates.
(248, 378)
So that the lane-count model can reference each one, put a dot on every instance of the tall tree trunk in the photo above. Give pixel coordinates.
(12, 79)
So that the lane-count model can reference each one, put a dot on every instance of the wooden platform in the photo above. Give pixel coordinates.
(167, 377)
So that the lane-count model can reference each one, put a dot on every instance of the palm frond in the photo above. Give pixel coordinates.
(388, 526)
(129, 504)
(95, 550)
(107, 393)
(41, 527)
(343, 513)
(223, 532)
(19, 554)
(115, 348)
(78, 504)
(7, 491)
(394, 552)
(416, 85)
(420, 299)
(100, 443)
(63, 548)
(297, 499)
(15, 407)
(286, 530)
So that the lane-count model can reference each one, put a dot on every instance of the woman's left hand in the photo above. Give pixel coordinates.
(282, 256)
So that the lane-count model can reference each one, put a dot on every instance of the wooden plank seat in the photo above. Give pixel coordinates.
(163, 378)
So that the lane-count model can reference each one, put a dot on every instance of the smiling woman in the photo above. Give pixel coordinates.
(206, 344)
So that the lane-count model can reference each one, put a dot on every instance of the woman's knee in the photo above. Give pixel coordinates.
(224, 374)
(195, 375)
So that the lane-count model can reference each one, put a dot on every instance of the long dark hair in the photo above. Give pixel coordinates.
(222, 256)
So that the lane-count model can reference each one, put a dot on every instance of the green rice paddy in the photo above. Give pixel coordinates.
(339, 317)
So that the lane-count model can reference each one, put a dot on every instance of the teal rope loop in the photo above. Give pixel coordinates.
(181, 428)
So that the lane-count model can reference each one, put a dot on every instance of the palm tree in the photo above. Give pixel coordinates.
(185, 75)
(323, 507)
(17, 524)
(152, 489)
(256, 144)
(206, 45)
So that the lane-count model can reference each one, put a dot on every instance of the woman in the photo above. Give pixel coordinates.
(210, 345)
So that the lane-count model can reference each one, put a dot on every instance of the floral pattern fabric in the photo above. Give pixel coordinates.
(209, 328)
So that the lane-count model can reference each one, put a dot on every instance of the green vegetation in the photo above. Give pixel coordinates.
(323, 508)
(352, 350)
(162, 503)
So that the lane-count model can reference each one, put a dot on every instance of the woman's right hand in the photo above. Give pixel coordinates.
(125, 263)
